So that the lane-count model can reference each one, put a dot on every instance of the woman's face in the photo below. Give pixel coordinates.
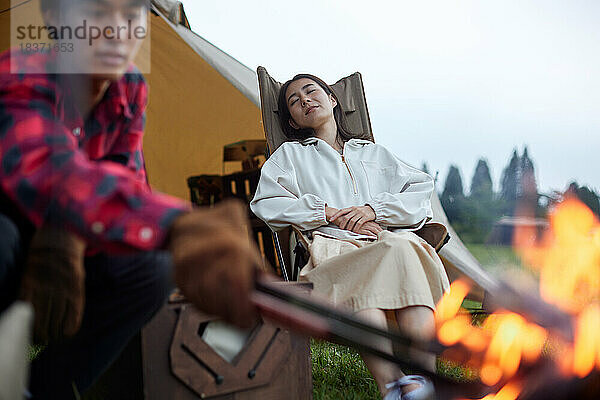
(309, 105)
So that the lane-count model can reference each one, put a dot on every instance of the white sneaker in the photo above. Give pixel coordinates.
(424, 392)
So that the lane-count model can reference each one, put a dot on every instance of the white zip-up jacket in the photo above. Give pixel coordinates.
(300, 178)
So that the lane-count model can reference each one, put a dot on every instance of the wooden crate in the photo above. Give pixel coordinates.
(179, 365)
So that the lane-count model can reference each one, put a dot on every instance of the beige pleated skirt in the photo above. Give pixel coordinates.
(397, 270)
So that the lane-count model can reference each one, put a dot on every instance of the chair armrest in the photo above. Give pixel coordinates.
(302, 237)
(435, 234)
(300, 251)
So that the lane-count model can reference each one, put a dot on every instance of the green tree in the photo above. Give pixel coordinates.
(527, 183)
(481, 184)
(527, 193)
(453, 196)
(587, 196)
(481, 209)
(518, 188)
(453, 187)
(509, 184)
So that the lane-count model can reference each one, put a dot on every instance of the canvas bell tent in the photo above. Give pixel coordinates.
(201, 99)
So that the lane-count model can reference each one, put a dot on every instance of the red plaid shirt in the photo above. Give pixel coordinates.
(88, 175)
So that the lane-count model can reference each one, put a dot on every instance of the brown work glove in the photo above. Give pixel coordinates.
(215, 263)
(54, 283)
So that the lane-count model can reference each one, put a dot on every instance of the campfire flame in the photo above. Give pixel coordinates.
(586, 351)
(567, 260)
(510, 391)
(497, 347)
(568, 257)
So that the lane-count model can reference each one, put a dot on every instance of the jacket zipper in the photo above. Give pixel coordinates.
(351, 176)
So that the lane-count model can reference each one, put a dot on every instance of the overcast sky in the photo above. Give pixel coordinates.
(447, 82)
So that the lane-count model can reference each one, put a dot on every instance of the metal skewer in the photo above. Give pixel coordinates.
(309, 316)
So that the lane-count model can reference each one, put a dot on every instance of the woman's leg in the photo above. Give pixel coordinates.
(417, 322)
(383, 371)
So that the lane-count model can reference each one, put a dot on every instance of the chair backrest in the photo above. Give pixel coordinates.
(349, 91)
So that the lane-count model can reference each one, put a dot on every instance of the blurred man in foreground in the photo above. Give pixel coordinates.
(82, 236)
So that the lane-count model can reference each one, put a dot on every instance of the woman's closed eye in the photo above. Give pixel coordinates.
(296, 99)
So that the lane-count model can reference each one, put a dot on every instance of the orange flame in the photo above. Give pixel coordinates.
(506, 338)
(453, 330)
(450, 303)
(568, 260)
(512, 339)
(510, 391)
(587, 344)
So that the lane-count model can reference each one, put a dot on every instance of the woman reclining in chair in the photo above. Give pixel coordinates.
(360, 205)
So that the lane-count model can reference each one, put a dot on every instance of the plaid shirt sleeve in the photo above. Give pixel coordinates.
(128, 145)
(44, 172)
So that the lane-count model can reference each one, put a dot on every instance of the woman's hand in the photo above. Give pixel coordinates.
(370, 228)
(353, 218)
(330, 212)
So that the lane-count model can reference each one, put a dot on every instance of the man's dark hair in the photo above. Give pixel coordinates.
(46, 5)
(343, 133)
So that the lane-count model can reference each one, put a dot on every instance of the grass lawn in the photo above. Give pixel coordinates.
(495, 259)
(340, 374)
(504, 263)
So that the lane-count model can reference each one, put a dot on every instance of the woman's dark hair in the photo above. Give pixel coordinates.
(343, 133)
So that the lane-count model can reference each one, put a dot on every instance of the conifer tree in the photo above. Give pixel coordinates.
(481, 184)
(586, 195)
(453, 196)
(527, 185)
(480, 209)
(453, 187)
(527, 194)
(510, 179)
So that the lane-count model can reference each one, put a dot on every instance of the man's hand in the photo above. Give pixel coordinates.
(353, 218)
(215, 263)
(54, 283)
